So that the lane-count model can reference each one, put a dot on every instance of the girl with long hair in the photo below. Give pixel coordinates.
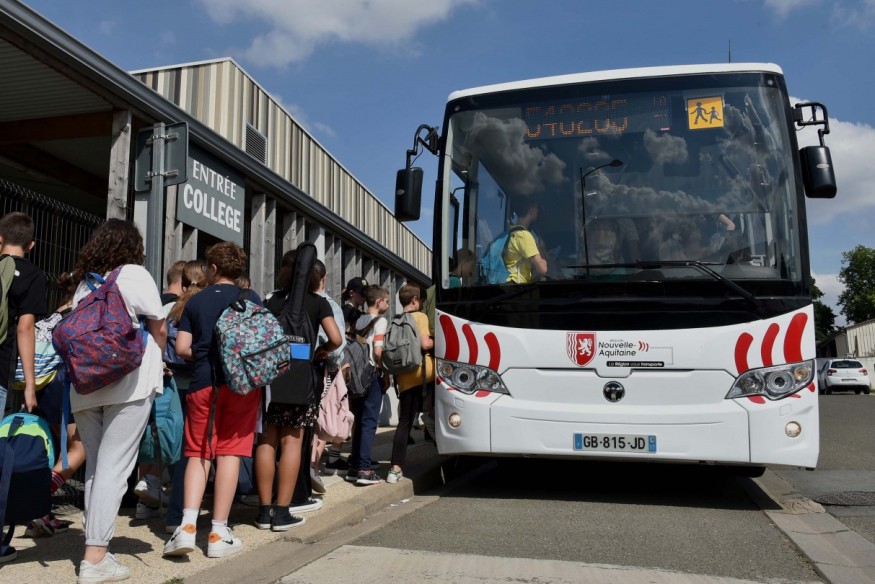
(112, 420)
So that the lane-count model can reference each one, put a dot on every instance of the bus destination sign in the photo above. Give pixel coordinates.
(584, 117)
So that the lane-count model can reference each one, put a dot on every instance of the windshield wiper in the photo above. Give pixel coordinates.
(750, 299)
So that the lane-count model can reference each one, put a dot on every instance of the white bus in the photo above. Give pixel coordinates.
(674, 320)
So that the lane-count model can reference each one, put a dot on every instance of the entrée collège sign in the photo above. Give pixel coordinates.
(213, 199)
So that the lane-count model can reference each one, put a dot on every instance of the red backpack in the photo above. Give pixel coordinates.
(98, 341)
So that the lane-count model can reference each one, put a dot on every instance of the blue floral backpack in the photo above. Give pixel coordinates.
(253, 348)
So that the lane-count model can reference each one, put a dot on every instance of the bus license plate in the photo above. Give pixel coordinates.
(615, 443)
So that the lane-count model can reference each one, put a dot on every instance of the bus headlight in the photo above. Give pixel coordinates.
(470, 379)
(773, 382)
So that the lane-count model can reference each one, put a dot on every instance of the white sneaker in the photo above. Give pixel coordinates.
(145, 511)
(311, 505)
(108, 570)
(394, 476)
(220, 546)
(149, 490)
(316, 482)
(182, 541)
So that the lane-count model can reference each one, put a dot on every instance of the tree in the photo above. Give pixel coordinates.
(824, 317)
(858, 275)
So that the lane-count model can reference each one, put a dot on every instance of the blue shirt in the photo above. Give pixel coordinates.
(199, 318)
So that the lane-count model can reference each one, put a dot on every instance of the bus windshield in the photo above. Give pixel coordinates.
(612, 179)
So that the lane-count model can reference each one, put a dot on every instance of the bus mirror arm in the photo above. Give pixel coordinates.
(429, 141)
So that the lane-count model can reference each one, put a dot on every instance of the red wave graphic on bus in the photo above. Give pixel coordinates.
(453, 345)
(792, 344)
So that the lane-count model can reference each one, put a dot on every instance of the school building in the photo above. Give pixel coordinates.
(82, 141)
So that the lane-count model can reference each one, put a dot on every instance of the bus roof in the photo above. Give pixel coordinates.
(640, 72)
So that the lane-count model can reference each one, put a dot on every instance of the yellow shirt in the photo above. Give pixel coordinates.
(520, 248)
(411, 379)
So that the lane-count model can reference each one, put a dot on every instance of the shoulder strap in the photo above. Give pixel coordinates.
(364, 332)
(7, 273)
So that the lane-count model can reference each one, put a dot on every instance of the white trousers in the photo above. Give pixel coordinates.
(111, 436)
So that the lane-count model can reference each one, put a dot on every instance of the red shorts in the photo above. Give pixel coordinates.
(233, 425)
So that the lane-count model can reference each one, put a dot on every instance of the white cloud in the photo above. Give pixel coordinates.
(831, 287)
(861, 16)
(784, 7)
(851, 146)
(299, 27)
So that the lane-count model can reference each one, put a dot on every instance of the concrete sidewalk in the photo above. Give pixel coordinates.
(139, 544)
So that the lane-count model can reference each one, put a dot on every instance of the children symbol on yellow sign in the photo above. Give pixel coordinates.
(707, 110)
(714, 115)
(700, 113)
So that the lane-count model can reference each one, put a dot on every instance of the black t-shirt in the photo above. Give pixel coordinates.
(199, 318)
(315, 306)
(27, 295)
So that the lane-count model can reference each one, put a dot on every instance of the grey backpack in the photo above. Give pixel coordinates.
(402, 351)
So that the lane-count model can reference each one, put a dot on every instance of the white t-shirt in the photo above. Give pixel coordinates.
(142, 298)
(377, 333)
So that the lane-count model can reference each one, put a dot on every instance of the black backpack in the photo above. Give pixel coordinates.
(297, 385)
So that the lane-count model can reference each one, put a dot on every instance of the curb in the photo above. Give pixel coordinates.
(837, 553)
(268, 563)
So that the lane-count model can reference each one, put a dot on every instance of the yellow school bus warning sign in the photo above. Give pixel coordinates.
(705, 112)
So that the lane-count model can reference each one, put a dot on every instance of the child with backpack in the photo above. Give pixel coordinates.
(287, 424)
(219, 423)
(332, 368)
(50, 401)
(191, 280)
(410, 382)
(366, 409)
(22, 302)
(111, 417)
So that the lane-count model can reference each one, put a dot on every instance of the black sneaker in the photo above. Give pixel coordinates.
(283, 520)
(264, 517)
(333, 468)
(367, 477)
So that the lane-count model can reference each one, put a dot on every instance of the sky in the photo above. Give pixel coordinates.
(362, 75)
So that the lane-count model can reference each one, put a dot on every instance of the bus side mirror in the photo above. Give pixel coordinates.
(408, 194)
(817, 172)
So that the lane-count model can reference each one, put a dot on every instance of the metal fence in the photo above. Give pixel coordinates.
(60, 231)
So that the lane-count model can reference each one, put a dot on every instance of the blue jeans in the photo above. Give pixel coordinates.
(2, 402)
(367, 415)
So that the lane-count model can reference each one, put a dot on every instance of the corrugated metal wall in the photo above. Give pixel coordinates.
(224, 97)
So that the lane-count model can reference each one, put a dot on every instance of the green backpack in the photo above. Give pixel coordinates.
(7, 272)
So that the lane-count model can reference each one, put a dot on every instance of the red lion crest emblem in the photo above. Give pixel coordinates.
(580, 347)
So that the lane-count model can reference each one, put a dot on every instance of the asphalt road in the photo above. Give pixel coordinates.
(691, 520)
(846, 469)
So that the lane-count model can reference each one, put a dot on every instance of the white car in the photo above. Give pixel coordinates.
(843, 375)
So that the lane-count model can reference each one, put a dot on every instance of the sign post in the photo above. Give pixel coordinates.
(162, 160)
